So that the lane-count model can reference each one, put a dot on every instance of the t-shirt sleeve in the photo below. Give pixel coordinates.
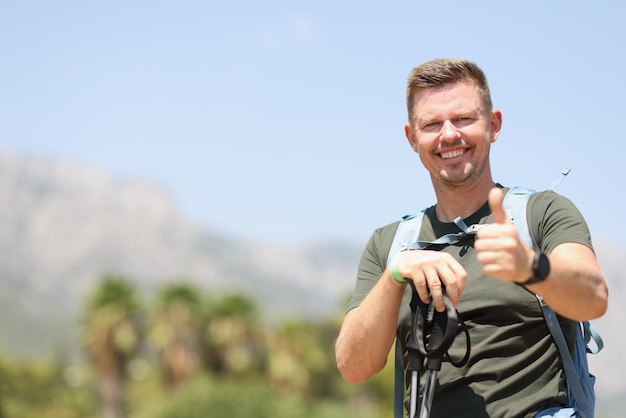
(555, 220)
(373, 263)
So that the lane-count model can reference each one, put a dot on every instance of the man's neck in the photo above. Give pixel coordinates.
(463, 201)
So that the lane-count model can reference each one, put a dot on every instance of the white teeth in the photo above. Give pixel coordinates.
(451, 154)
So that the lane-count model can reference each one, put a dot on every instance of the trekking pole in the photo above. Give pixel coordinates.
(436, 348)
(432, 334)
(415, 365)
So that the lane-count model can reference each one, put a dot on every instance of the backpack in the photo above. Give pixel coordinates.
(580, 382)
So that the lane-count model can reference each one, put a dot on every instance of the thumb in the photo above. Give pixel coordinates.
(496, 197)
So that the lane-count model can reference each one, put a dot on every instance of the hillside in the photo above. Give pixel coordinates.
(63, 225)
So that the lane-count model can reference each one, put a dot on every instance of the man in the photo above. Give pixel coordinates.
(514, 369)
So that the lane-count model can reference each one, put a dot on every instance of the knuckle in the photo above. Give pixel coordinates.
(435, 285)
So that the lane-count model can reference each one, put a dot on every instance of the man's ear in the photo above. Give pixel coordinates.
(410, 135)
(495, 124)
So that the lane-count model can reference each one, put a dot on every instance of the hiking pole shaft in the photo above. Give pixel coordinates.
(429, 393)
(413, 397)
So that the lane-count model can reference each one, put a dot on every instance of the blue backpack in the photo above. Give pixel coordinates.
(580, 382)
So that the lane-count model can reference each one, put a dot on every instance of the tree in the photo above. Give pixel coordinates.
(234, 344)
(111, 338)
(176, 332)
(298, 359)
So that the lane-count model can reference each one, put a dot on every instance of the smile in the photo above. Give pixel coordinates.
(451, 154)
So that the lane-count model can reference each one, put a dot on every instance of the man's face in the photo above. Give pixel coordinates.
(452, 132)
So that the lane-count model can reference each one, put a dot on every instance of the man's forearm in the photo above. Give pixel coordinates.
(368, 331)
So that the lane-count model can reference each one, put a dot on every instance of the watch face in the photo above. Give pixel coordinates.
(541, 269)
(541, 265)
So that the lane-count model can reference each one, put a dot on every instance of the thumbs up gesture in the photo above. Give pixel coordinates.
(496, 198)
(498, 246)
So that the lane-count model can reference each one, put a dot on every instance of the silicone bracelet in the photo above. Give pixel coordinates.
(396, 276)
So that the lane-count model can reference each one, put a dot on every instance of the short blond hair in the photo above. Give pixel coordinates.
(443, 71)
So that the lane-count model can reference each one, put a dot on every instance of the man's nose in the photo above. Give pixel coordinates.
(449, 131)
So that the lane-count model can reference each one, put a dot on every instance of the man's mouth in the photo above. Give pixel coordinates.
(451, 154)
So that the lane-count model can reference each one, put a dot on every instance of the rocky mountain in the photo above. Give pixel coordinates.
(64, 225)
(68, 224)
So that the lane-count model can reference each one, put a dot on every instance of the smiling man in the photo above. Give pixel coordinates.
(514, 369)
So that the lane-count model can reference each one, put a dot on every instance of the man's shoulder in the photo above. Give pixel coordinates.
(383, 235)
(541, 197)
(544, 199)
(388, 231)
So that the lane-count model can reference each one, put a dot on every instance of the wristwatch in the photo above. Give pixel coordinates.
(541, 268)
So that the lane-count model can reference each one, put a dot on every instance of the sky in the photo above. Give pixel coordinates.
(283, 121)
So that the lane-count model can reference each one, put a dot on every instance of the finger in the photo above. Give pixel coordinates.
(421, 287)
(496, 197)
(436, 289)
(454, 278)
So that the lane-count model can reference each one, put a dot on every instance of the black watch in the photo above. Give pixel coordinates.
(541, 268)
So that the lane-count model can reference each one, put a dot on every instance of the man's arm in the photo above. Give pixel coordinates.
(368, 331)
(575, 288)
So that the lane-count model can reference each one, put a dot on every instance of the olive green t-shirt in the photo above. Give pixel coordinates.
(514, 369)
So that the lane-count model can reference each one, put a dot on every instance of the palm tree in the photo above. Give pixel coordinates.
(298, 359)
(176, 332)
(234, 342)
(111, 337)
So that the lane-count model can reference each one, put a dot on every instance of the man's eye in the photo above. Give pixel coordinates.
(431, 124)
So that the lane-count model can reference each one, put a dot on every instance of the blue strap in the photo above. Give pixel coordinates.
(590, 334)
(399, 384)
(406, 233)
(515, 202)
(559, 179)
(573, 381)
(448, 238)
(408, 227)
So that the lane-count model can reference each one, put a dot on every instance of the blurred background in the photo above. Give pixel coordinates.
(186, 188)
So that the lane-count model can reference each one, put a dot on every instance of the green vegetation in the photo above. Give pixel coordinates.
(188, 355)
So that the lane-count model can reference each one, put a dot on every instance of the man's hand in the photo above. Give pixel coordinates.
(430, 272)
(499, 248)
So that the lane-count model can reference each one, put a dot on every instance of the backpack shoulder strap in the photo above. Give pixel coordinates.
(398, 382)
(407, 232)
(574, 387)
(515, 204)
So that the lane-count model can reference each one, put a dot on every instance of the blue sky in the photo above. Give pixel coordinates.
(283, 120)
